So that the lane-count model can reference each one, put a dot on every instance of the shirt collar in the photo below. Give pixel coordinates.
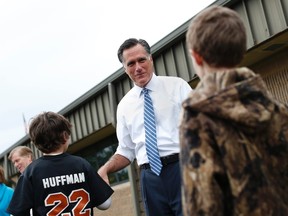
(152, 84)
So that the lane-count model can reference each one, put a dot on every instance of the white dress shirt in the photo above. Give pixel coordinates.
(167, 94)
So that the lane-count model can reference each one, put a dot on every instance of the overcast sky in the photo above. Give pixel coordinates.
(52, 52)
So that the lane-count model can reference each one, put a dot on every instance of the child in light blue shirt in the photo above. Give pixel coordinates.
(6, 194)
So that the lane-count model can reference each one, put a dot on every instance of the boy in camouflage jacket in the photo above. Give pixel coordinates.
(233, 133)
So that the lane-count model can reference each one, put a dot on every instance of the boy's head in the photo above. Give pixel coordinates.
(49, 131)
(218, 35)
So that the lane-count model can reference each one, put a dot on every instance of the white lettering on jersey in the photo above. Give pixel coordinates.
(63, 180)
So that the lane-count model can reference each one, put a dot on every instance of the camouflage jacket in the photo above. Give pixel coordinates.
(234, 148)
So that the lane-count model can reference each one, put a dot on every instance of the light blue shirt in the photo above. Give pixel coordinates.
(167, 94)
(6, 194)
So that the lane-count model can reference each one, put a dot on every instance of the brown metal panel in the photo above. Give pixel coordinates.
(274, 71)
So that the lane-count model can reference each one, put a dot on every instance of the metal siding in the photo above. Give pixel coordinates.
(73, 130)
(169, 61)
(181, 62)
(77, 125)
(83, 121)
(35, 151)
(11, 170)
(159, 65)
(275, 16)
(119, 93)
(113, 103)
(241, 10)
(274, 71)
(107, 108)
(101, 112)
(191, 69)
(127, 84)
(277, 84)
(284, 4)
(94, 115)
(89, 118)
(257, 20)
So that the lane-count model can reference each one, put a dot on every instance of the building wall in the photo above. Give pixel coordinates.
(121, 202)
(274, 71)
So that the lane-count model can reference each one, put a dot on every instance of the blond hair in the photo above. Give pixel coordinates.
(22, 150)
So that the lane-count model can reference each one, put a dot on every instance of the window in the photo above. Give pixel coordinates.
(99, 154)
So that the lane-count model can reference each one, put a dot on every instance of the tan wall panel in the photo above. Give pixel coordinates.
(121, 202)
(274, 71)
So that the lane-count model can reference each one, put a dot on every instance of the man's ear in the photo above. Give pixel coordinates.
(198, 58)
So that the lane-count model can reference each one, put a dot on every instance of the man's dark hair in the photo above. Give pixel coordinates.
(131, 42)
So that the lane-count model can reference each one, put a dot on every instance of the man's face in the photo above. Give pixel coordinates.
(20, 162)
(138, 65)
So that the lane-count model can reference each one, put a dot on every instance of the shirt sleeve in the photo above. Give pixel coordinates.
(124, 137)
(101, 191)
(21, 202)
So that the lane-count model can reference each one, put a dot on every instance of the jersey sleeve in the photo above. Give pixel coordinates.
(101, 191)
(21, 202)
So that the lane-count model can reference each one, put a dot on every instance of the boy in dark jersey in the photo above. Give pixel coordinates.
(57, 183)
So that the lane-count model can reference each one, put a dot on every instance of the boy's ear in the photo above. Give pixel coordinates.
(198, 58)
(66, 136)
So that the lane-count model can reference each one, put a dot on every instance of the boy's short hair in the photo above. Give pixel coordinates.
(48, 131)
(218, 35)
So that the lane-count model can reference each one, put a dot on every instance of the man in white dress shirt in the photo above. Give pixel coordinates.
(161, 193)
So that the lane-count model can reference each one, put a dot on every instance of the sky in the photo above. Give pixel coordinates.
(52, 52)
